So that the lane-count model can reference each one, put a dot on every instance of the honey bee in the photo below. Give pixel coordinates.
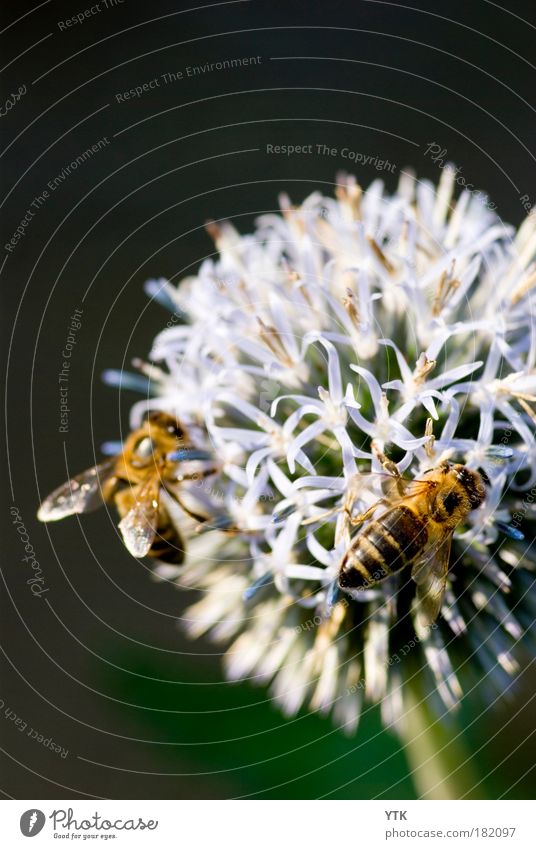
(415, 530)
(133, 480)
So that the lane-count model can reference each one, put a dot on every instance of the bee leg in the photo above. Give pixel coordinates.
(350, 499)
(223, 524)
(110, 488)
(361, 517)
(344, 508)
(321, 516)
(391, 468)
(195, 476)
(210, 523)
(193, 515)
(234, 529)
(124, 500)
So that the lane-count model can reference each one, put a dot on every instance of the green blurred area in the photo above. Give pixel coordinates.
(232, 735)
(229, 740)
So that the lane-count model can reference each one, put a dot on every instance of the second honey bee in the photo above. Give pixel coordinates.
(149, 464)
(414, 531)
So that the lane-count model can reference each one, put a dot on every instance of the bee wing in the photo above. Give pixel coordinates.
(138, 526)
(394, 491)
(81, 494)
(392, 487)
(430, 573)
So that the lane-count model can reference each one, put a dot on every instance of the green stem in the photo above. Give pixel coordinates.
(441, 767)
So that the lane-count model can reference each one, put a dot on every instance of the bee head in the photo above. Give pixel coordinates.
(143, 452)
(159, 434)
(473, 484)
(166, 423)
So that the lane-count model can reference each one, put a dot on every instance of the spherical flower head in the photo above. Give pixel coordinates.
(342, 332)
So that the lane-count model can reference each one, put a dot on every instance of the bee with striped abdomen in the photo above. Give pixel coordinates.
(137, 480)
(414, 530)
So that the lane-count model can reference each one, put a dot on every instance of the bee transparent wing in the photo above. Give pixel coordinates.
(393, 490)
(81, 494)
(392, 487)
(430, 573)
(138, 526)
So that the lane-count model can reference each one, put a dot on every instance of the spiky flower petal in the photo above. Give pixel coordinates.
(338, 330)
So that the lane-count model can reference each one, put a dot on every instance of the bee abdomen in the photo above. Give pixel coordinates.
(167, 546)
(382, 548)
(407, 529)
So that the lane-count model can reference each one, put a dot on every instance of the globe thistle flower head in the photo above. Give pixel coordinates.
(342, 332)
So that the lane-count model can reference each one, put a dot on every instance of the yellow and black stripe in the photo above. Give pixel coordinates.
(168, 545)
(382, 548)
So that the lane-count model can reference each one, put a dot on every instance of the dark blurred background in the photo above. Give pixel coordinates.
(98, 663)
